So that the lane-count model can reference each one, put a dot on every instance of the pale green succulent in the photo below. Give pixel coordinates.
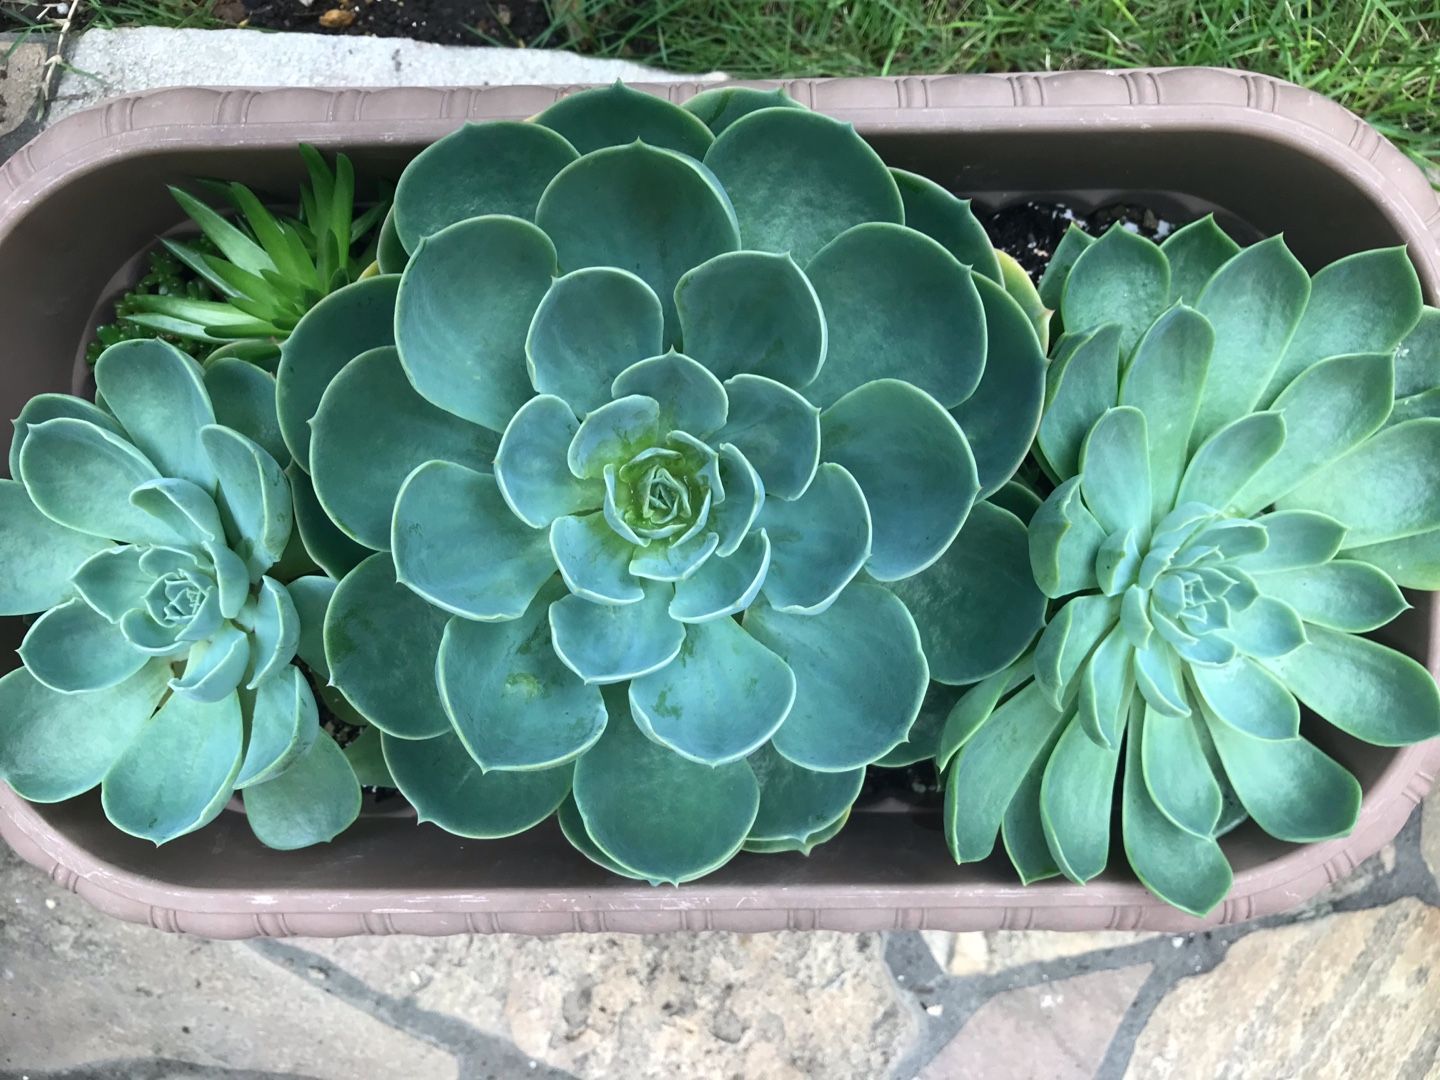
(646, 400)
(1245, 468)
(143, 533)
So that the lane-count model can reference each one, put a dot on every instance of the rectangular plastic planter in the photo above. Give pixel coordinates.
(81, 200)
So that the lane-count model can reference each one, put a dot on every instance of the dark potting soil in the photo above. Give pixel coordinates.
(1030, 231)
(444, 22)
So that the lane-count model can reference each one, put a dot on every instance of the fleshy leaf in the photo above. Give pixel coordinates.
(1417, 360)
(1065, 542)
(1298, 538)
(458, 545)
(1023, 829)
(1106, 688)
(1195, 252)
(663, 561)
(777, 430)
(605, 643)
(329, 548)
(592, 324)
(1121, 278)
(1230, 458)
(465, 357)
(898, 305)
(54, 746)
(753, 312)
(311, 596)
(1075, 796)
(1001, 417)
(348, 322)
(112, 582)
(860, 677)
(1082, 388)
(718, 109)
(371, 431)
(594, 560)
(799, 179)
(690, 397)
(977, 607)
(922, 742)
(795, 802)
(725, 585)
(1245, 696)
(1413, 562)
(158, 395)
(178, 772)
(616, 115)
(612, 434)
(73, 648)
(254, 499)
(1362, 687)
(276, 632)
(44, 407)
(446, 787)
(818, 543)
(1057, 272)
(720, 699)
(1254, 303)
(653, 812)
(1115, 471)
(970, 712)
(932, 210)
(215, 667)
(283, 723)
(501, 167)
(618, 207)
(530, 464)
(744, 498)
(913, 465)
(37, 555)
(1067, 641)
(184, 509)
(1342, 595)
(378, 635)
(510, 699)
(1178, 775)
(312, 802)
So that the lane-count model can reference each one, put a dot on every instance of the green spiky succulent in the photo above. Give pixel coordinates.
(144, 533)
(640, 393)
(1244, 467)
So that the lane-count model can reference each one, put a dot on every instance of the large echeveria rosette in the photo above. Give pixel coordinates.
(1244, 460)
(144, 534)
(683, 416)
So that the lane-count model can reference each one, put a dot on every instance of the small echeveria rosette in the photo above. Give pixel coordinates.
(660, 443)
(144, 535)
(1244, 467)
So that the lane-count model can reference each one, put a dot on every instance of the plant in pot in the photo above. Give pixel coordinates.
(1242, 459)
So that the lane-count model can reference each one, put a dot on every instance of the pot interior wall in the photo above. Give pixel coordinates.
(68, 246)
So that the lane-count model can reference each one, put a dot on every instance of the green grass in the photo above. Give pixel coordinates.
(1380, 59)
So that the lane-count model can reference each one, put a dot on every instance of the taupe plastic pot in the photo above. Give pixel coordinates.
(79, 202)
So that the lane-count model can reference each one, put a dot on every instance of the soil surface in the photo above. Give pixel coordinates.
(1031, 231)
(444, 22)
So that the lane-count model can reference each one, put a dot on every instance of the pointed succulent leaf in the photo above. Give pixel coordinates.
(617, 207)
(1001, 417)
(898, 305)
(254, 499)
(530, 466)
(1075, 796)
(744, 498)
(329, 548)
(367, 759)
(913, 465)
(1254, 302)
(72, 648)
(311, 596)
(1106, 688)
(605, 643)
(777, 430)
(1082, 388)
(1298, 538)
(158, 395)
(796, 802)
(718, 109)
(1057, 271)
(594, 560)
(55, 746)
(1330, 409)
(1230, 458)
(804, 847)
(464, 357)
(932, 210)
(501, 167)
(1412, 562)
(1341, 595)
(970, 712)
(112, 581)
(457, 544)
(1385, 489)
(1121, 278)
(275, 635)
(1195, 252)
(1414, 407)
(617, 114)
(1362, 687)
(720, 699)
(753, 312)
(922, 742)
(989, 770)
(184, 509)
(1158, 677)
(1115, 471)
(655, 813)
(178, 772)
(723, 585)
(859, 673)
(1247, 697)
(818, 542)
(1417, 360)
(1065, 542)
(215, 667)
(613, 432)
(1068, 640)
(1185, 870)
(509, 697)
(348, 322)
(1363, 303)
(1164, 381)
(674, 561)
(1022, 290)
(799, 179)
(1023, 828)
(282, 722)
(447, 787)
(44, 407)
(1178, 775)
(37, 554)
(977, 607)
(690, 397)
(311, 802)
(572, 825)
(378, 635)
(591, 325)
(370, 432)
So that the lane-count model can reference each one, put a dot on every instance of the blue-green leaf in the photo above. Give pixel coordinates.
(1083, 386)
(37, 555)
(1115, 471)
(594, 560)
(605, 643)
(691, 399)
(1342, 595)
(932, 210)
(1075, 796)
(1245, 696)
(311, 802)
(616, 115)
(1178, 776)
(158, 395)
(73, 648)
(1195, 252)
(723, 585)
(282, 723)
(777, 430)
(796, 802)
(818, 542)
(254, 498)
(1121, 278)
